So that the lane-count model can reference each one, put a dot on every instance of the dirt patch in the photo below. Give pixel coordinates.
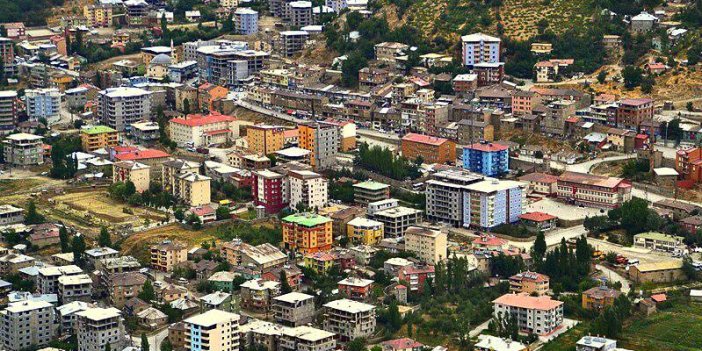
(137, 244)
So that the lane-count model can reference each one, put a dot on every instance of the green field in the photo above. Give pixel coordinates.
(566, 341)
(676, 329)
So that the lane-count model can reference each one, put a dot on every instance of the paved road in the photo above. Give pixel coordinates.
(584, 167)
(615, 277)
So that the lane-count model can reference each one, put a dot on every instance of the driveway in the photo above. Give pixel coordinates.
(613, 276)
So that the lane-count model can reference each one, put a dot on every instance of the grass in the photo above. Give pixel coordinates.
(676, 329)
(137, 245)
(520, 17)
(567, 340)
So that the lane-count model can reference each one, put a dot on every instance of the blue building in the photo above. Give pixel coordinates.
(43, 104)
(246, 21)
(489, 159)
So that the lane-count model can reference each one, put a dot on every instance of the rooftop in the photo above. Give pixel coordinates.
(591, 179)
(537, 216)
(306, 219)
(543, 303)
(293, 297)
(487, 147)
(212, 317)
(97, 130)
(371, 185)
(99, 313)
(424, 139)
(349, 306)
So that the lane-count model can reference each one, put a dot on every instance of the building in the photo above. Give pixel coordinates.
(370, 191)
(214, 330)
(257, 294)
(395, 218)
(389, 51)
(217, 300)
(262, 257)
(308, 190)
(293, 309)
(643, 22)
(593, 190)
(78, 287)
(130, 171)
(245, 21)
(659, 242)
(7, 52)
(540, 183)
(688, 163)
(539, 315)
(120, 107)
(11, 215)
(292, 42)
(269, 189)
(599, 298)
(265, 139)
(538, 221)
(528, 282)
(27, 324)
(98, 137)
(364, 231)
(23, 149)
(192, 188)
(47, 277)
(307, 233)
(429, 245)
(490, 159)
(596, 343)
(470, 131)
(349, 319)
(430, 149)
(97, 327)
(98, 15)
(494, 343)
(8, 111)
(43, 104)
(323, 141)
(299, 13)
(145, 132)
(356, 288)
(480, 48)
(632, 112)
(306, 338)
(123, 286)
(660, 272)
(415, 276)
(166, 255)
(197, 130)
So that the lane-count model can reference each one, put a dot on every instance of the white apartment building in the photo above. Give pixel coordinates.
(293, 309)
(23, 149)
(539, 315)
(395, 218)
(78, 287)
(304, 338)
(27, 324)
(199, 130)
(245, 21)
(10, 214)
(349, 319)
(96, 327)
(47, 277)
(43, 103)
(480, 48)
(429, 245)
(307, 188)
(120, 107)
(214, 330)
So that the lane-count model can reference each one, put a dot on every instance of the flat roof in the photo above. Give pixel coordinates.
(349, 306)
(27, 305)
(528, 302)
(293, 297)
(307, 219)
(492, 185)
(371, 185)
(99, 313)
(212, 317)
(97, 130)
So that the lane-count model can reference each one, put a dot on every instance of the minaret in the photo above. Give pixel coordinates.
(173, 60)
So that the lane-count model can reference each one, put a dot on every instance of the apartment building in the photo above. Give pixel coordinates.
(135, 172)
(470, 131)
(23, 149)
(493, 202)
(429, 245)
(12, 262)
(98, 15)
(349, 319)
(307, 189)
(322, 140)
(593, 190)
(97, 327)
(486, 158)
(47, 277)
(8, 111)
(263, 257)
(214, 330)
(447, 193)
(415, 275)
(43, 104)
(123, 286)
(307, 233)
(355, 288)
(269, 189)
(430, 149)
(540, 183)
(293, 309)
(480, 48)
(198, 130)
(539, 315)
(27, 324)
(98, 137)
(292, 42)
(118, 265)
(299, 13)
(213, 60)
(688, 163)
(257, 294)
(365, 231)
(120, 107)
(395, 218)
(632, 112)
(171, 169)
(78, 287)
(389, 51)
(528, 282)
(304, 338)
(193, 189)
(659, 242)
(166, 255)
(11, 215)
(370, 191)
(245, 21)
(7, 52)
(265, 139)
(92, 256)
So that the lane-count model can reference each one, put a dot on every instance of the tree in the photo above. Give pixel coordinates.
(690, 106)
(108, 347)
(542, 25)
(104, 239)
(186, 106)
(394, 319)
(602, 76)
(358, 344)
(129, 189)
(144, 342)
(632, 76)
(539, 248)
(78, 247)
(285, 284)
(32, 216)
(354, 62)
(228, 25)
(179, 214)
(164, 25)
(63, 237)
(147, 293)
(166, 345)
(223, 213)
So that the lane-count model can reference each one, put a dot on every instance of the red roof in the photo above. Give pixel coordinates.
(642, 136)
(537, 216)
(659, 297)
(636, 102)
(489, 240)
(488, 147)
(543, 303)
(402, 344)
(124, 149)
(200, 120)
(202, 210)
(291, 133)
(572, 119)
(141, 155)
(417, 270)
(423, 139)
(539, 178)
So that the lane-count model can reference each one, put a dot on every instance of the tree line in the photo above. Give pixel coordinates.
(383, 161)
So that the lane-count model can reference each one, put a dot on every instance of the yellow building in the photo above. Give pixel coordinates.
(98, 137)
(320, 262)
(167, 255)
(135, 172)
(265, 139)
(599, 298)
(98, 15)
(307, 233)
(365, 231)
(194, 189)
(429, 245)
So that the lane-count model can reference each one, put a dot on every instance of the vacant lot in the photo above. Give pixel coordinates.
(138, 244)
(567, 340)
(676, 329)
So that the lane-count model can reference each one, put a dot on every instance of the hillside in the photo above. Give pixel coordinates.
(520, 18)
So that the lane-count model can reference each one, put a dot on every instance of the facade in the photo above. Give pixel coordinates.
(27, 324)
(486, 158)
(480, 48)
(23, 149)
(415, 275)
(269, 189)
(47, 277)
(8, 111)
(307, 233)
(688, 163)
(307, 189)
(539, 221)
(599, 298)
(43, 104)
(349, 319)
(98, 137)
(389, 51)
(370, 191)
(593, 190)
(135, 172)
(120, 107)
(97, 327)
(193, 189)
(538, 315)
(11, 215)
(364, 231)
(292, 42)
(632, 112)
(540, 183)
(165, 256)
(306, 338)
(123, 286)
(429, 245)
(299, 13)
(7, 52)
(78, 287)
(245, 21)
(396, 219)
(430, 149)
(659, 242)
(322, 140)
(214, 330)
(660, 272)
(293, 309)
(356, 288)
(197, 130)
(265, 139)
(98, 15)
(257, 294)
(531, 283)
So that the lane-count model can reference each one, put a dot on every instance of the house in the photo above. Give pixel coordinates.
(599, 298)
(293, 309)
(494, 343)
(490, 243)
(403, 344)
(222, 281)
(356, 288)
(692, 224)
(660, 272)
(539, 221)
(349, 319)
(205, 213)
(152, 318)
(643, 22)
(529, 282)
(217, 300)
(415, 276)
(540, 183)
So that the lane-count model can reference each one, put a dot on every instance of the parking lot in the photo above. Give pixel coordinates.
(563, 210)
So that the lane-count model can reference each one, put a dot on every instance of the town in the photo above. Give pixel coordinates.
(245, 175)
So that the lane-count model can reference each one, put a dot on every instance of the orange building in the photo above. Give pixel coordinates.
(208, 93)
(688, 163)
(431, 149)
(307, 233)
(322, 140)
(265, 139)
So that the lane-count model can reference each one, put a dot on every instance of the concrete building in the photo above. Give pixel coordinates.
(480, 48)
(245, 21)
(538, 315)
(307, 233)
(213, 60)
(197, 130)
(43, 104)
(349, 319)
(490, 159)
(365, 231)
(97, 327)
(528, 282)
(395, 218)
(494, 343)
(370, 191)
(193, 189)
(98, 15)
(643, 22)
(27, 324)
(306, 338)
(47, 277)
(293, 309)
(23, 149)
(120, 107)
(687, 164)
(307, 189)
(166, 255)
(7, 52)
(447, 196)
(257, 294)
(213, 330)
(593, 190)
(145, 132)
(78, 287)
(429, 245)
(632, 112)
(540, 183)
(8, 111)
(389, 51)
(659, 242)
(430, 149)
(299, 13)
(98, 137)
(269, 189)
(292, 42)
(493, 202)
(595, 343)
(659, 272)
(599, 298)
(180, 72)
(130, 171)
(123, 286)
(355, 288)
(265, 139)
(11, 215)
(322, 140)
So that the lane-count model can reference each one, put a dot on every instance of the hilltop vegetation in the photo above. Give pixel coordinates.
(31, 12)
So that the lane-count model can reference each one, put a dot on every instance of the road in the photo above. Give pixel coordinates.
(613, 276)
(553, 237)
(155, 340)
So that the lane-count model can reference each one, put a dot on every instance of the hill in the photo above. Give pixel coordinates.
(521, 19)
